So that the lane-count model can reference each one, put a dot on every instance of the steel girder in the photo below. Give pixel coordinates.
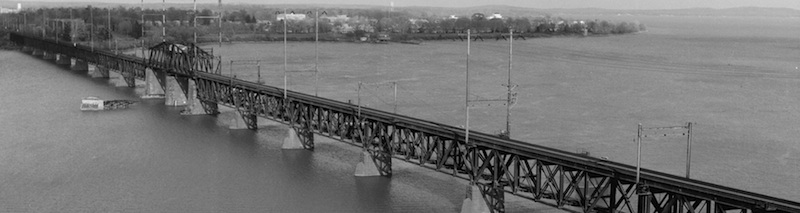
(180, 59)
(131, 68)
(497, 165)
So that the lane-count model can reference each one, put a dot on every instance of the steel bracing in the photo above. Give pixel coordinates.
(498, 166)
(180, 59)
(130, 67)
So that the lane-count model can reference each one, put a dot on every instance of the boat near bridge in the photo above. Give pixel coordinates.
(96, 104)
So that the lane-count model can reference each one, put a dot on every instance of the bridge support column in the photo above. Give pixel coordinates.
(195, 106)
(49, 55)
(244, 120)
(367, 166)
(129, 78)
(375, 139)
(114, 78)
(37, 52)
(97, 71)
(62, 59)
(174, 95)
(78, 65)
(152, 84)
(297, 138)
(475, 202)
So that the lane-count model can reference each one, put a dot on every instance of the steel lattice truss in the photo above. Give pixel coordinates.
(498, 166)
(131, 68)
(180, 59)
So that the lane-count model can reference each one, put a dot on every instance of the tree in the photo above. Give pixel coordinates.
(181, 34)
(384, 25)
(102, 33)
(461, 25)
(136, 31)
(496, 25)
(520, 25)
(66, 33)
(205, 21)
(447, 25)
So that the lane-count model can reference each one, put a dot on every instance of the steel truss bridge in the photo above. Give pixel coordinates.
(495, 165)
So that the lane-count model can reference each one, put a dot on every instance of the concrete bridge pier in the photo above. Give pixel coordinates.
(97, 72)
(173, 94)
(368, 166)
(62, 59)
(298, 138)
(152, 84)
(194, 105)
(376, 156)
(242, 119)
(49, 55)
(114, 78)
(38, 52)
(78, 65)
(475, 201)
(130, 79)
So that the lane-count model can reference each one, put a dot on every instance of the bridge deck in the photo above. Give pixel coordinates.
(496, 165)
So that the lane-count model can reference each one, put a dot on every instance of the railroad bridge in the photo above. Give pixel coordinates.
(186, 75)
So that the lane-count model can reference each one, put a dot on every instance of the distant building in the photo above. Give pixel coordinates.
(452, 17)
(11, 10)
(338, 18)
(294, 17)
(494, 16)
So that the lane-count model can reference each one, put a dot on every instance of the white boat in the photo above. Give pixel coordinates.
(92, 104)
(95, 104)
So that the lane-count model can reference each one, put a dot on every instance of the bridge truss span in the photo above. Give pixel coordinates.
(497, 166)
(130, 67)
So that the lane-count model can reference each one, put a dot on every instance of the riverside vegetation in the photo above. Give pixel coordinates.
(127, 27)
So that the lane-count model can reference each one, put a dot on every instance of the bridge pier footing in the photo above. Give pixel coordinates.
(129, 78)
(62, 59)
(298, 139)
(367, 166)
(152, 84)
(244, 120)
(194, 105)
(475, 202)
(97, 72)
(114, 78)
(37, 52)
(174, 95)
(78, 65)
(49, 55)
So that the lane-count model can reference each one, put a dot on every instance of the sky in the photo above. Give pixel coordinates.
(607, 4)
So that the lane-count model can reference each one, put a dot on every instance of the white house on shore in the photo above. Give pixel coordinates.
(11, 10)
(290, 16)
(494, 16)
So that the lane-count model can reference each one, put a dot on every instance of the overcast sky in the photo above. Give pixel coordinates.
(608, 4)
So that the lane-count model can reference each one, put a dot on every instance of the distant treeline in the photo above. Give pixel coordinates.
(74, 24)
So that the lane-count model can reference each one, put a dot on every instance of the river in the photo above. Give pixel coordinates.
(56, 158)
